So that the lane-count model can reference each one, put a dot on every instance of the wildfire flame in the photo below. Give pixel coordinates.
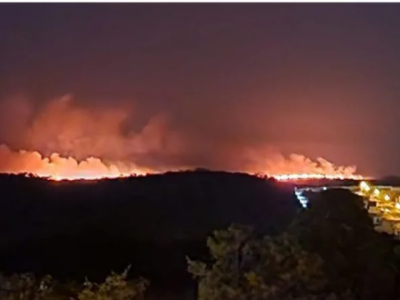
(312, 176)
(64, 140)
(56, 167)
(59, 168)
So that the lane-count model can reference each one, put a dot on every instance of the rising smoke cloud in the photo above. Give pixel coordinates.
(64, 139)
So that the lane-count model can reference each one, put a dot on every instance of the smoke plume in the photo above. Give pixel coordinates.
(63, 139)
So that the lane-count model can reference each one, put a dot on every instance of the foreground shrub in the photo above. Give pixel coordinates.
(247, 267)
(28, 287)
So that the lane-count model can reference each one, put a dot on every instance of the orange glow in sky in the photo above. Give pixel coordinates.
(64, 140)
(59, 168)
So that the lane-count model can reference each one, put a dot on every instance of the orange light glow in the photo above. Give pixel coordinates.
(60, 168)
(56, 167)
(311, 176)
(69, 141)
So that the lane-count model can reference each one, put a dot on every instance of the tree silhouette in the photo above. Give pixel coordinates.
(337, 227)
(25, 287)
(247, 267)
(28, 287)
(115, 287)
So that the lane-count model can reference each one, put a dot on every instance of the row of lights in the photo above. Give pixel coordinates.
(364, 187)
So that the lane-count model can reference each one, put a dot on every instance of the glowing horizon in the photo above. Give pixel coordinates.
(58, 168)
(92, 177)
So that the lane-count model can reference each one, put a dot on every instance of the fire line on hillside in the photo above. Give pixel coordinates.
(60, 168)
(66, 140)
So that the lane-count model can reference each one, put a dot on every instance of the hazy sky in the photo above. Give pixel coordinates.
(315, 79)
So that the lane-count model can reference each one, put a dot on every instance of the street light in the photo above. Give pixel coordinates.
(364, 186)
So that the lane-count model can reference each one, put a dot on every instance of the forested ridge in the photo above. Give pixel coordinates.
(217, 235)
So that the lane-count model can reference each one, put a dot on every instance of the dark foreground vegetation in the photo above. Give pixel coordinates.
(175, 231)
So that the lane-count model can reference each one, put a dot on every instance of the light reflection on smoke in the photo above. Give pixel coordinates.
(67, 141)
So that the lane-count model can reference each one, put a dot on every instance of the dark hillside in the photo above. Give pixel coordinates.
(72, 229)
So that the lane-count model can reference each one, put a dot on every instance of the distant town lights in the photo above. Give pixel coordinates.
(364, 186)
(387, 197)
(377, 192)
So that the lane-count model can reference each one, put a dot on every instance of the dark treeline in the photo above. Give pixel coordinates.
(76, 229)
(330, 251)
(175, 230)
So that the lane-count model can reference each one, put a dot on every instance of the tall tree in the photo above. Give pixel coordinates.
(337, 227)
(248, 267)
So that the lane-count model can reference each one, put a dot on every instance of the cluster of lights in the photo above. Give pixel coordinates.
(365, 187)
(368, 190)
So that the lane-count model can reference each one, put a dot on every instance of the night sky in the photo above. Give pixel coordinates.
(314, 79)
